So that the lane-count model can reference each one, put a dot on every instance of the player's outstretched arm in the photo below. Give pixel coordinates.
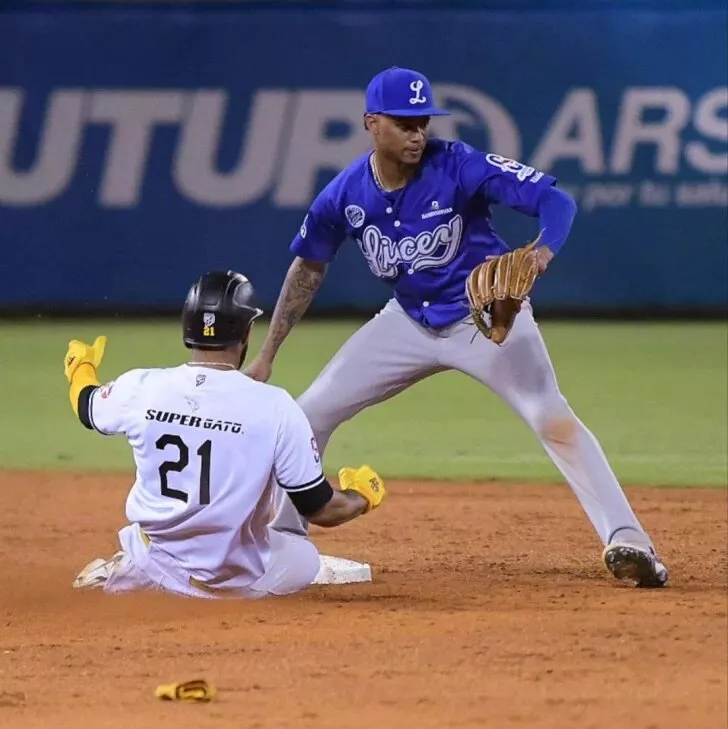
(303, 280)
(344, 506)
(107, 414)
(79, 366)
(299, 472)
(362, 490)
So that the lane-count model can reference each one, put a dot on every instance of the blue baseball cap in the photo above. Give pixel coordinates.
(401, 92)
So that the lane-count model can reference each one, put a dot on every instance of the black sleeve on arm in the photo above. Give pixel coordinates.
(309, 498)
(84, 406)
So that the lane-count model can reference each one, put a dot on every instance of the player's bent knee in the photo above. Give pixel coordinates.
(555, 426)
(559, 431)
(294, 565)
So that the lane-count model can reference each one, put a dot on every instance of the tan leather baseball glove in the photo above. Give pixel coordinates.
(497, 287)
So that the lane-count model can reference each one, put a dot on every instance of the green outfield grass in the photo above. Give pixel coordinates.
(654, 394)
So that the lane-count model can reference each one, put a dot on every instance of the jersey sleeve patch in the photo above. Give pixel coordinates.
(297, 462)
(503, 181)
(109, 405)
(322, 231)
(90, 414)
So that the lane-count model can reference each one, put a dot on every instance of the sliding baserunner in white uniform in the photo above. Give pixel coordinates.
(209, 444)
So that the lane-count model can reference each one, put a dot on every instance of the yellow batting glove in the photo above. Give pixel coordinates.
(365, 481)
(80, 353)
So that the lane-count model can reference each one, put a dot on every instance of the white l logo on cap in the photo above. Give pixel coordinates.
(416, 86)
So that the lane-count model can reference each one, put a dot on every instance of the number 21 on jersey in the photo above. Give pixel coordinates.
(180, 464)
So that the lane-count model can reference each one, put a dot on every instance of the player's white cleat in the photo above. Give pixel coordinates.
(636, 564)
(97, 572)
(338, 571)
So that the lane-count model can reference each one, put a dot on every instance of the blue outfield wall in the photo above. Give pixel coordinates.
(140, 146)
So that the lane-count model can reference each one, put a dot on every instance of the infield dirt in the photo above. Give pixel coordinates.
(490, 607)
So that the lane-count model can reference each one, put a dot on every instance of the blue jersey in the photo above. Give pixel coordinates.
(424, 239)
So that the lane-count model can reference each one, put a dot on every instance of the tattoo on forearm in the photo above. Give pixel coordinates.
(298, 291)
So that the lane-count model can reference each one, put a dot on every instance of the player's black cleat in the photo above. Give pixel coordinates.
(635, 564)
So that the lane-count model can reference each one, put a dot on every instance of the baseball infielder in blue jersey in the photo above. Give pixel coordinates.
(419, 209)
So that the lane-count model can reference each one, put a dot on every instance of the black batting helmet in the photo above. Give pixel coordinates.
(218, 310)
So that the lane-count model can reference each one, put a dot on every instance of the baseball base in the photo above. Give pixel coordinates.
(339, 571)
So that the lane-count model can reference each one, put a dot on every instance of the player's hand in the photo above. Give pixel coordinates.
(81, 353)
(543, 255)
(365, 481)
(543, 258)
(259, 369)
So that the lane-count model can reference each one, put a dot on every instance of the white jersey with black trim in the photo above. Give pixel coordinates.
(206, 443)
